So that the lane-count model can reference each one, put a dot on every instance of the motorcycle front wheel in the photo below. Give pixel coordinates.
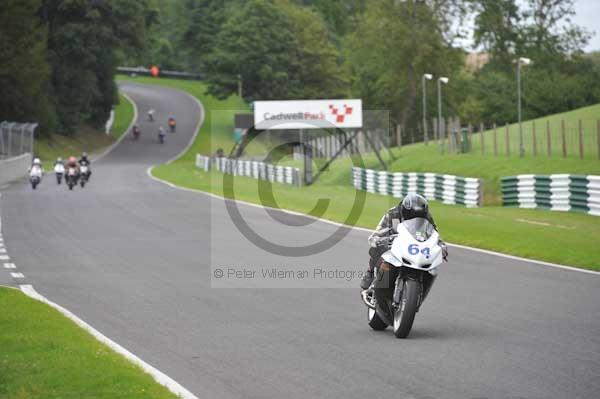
(404, 316)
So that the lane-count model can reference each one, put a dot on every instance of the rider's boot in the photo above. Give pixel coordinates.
(367, 279)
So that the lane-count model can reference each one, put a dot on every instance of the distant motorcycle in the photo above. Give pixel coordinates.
(136, 133)
(172, 125)
(59, 171)
(161, 136)
(84, 171)
(405, 275)
(71, 177)
(35, 176)
(35, 180)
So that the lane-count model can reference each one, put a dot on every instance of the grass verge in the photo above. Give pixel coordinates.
(45, 355)
(566, 238)
(87, 139)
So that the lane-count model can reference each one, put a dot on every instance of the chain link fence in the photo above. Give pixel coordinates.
(16, 139)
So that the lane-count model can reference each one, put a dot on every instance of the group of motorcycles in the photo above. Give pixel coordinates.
(70, 174)
(136, 131)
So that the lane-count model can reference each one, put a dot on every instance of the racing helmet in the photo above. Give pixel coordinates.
(72, 160)
(59, 159)
(84, 155)
(414, 206)
(36, 161)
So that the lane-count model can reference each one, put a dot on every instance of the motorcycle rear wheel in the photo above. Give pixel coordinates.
(404, 316)
(375, 321)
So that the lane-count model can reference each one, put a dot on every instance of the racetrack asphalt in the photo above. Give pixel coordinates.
(135, 259)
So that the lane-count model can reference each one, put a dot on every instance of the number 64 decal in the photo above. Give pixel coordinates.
(414, 249)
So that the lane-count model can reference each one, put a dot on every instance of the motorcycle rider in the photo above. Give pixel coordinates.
(412, 206)
(72, 163)
(85, 161)
(136, 131)
(161, 134)
(172, 124)
(59, 161)
(36, 168)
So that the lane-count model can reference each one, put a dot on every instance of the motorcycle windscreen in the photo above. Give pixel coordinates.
(419, 228)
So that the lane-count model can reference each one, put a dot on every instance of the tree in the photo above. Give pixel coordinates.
(497, 29)
(83, 42)
(24, 71)
(394, 44)
(205, 22)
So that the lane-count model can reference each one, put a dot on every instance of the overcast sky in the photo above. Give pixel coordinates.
(588, 16)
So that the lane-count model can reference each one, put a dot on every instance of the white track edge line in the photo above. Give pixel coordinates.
(158, 376)
(485, 251)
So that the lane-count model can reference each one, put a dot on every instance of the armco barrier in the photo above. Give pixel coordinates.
(255, 169)
(449, 189)
(579, 193)
(14, 168)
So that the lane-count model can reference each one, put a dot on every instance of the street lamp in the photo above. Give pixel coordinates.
(441, 80)
(426, 77)
(520, 63)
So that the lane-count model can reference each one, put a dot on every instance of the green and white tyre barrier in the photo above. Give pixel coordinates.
(578, 193)
(255, 169)
(449, 189)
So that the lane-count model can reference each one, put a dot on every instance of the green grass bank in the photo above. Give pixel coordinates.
(44, 355)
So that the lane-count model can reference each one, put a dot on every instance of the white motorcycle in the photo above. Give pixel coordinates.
(35, 176)
(59, 171)
(403, 276)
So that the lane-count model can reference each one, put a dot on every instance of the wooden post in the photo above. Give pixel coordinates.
(470, 134)
(507, 140)
(495, 140)
(450, 138)
(399, 136)
(549, 138)
(564, 138)
(534, 138)
(580, 139)
(481, 127)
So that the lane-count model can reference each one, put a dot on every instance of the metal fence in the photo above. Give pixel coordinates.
(327, 146)
(16, 139)
(553, 137)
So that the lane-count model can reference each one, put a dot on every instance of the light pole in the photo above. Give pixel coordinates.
(520, 63)
(441, 80)
(426, 77)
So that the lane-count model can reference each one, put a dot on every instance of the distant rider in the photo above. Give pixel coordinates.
(85, 161)
(172, 124)
(72, 164)
(36, 168)
(412, 206)
(151, 115)
(161, 134)
(59, 161)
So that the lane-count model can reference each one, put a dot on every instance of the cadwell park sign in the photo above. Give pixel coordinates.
(307, 114)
